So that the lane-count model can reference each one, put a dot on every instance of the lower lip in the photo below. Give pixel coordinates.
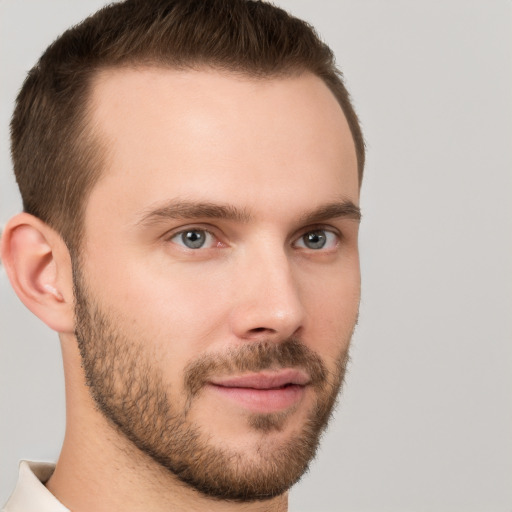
(262, 400)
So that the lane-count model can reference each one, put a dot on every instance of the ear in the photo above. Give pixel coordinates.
(38, 265)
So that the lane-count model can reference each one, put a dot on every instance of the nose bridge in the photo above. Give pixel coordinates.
(268, 298)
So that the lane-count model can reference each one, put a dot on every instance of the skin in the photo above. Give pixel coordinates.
(274, 150)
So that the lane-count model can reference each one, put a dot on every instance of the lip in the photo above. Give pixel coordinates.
(264, 380)
(263, 392)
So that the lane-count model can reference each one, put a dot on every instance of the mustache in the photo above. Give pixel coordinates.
(255, 357)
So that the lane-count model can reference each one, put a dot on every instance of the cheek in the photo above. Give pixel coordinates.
(183, 302)
(174, 314)
(332, 306)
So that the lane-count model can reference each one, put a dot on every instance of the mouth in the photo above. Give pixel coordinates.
(263, 392)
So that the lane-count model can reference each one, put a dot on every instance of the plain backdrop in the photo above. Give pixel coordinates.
(425, 420)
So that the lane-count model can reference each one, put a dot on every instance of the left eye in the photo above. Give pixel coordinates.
(194, 239)
(317, 239)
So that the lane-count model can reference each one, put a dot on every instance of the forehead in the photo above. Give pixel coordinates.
(209, 133)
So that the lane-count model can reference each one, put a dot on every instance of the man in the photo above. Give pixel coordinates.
(190, 174)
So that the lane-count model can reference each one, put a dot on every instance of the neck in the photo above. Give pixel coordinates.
(100, 469)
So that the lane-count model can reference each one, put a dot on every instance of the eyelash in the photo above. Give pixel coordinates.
(192, 229)
(333, 238)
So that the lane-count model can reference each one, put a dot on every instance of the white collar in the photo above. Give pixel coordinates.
(30, 494)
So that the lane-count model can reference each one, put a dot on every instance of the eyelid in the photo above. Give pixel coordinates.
(318, 227)
(200, 226)
(213, 231)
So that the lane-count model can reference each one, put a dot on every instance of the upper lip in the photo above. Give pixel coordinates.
(264, 380)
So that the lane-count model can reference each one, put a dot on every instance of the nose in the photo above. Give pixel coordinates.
(267, 301)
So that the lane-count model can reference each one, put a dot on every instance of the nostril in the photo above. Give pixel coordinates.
(258, 330)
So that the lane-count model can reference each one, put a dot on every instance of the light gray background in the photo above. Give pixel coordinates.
(425, 421)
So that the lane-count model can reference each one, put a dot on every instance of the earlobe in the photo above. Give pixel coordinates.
(38, 265)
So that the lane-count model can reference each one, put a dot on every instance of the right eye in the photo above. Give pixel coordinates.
(194, 238)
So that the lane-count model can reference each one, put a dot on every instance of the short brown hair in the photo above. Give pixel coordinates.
(56, 157)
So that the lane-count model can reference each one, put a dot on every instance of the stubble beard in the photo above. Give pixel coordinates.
(129, 390)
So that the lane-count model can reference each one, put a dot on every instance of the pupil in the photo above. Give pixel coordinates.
(315, 240)
(193, 239)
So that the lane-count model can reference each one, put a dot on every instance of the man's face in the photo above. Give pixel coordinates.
(219, 281)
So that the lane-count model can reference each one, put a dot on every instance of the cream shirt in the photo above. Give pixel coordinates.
(30, 494)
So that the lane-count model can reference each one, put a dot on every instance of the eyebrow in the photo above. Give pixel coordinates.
(183, 210)
(338, 209)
